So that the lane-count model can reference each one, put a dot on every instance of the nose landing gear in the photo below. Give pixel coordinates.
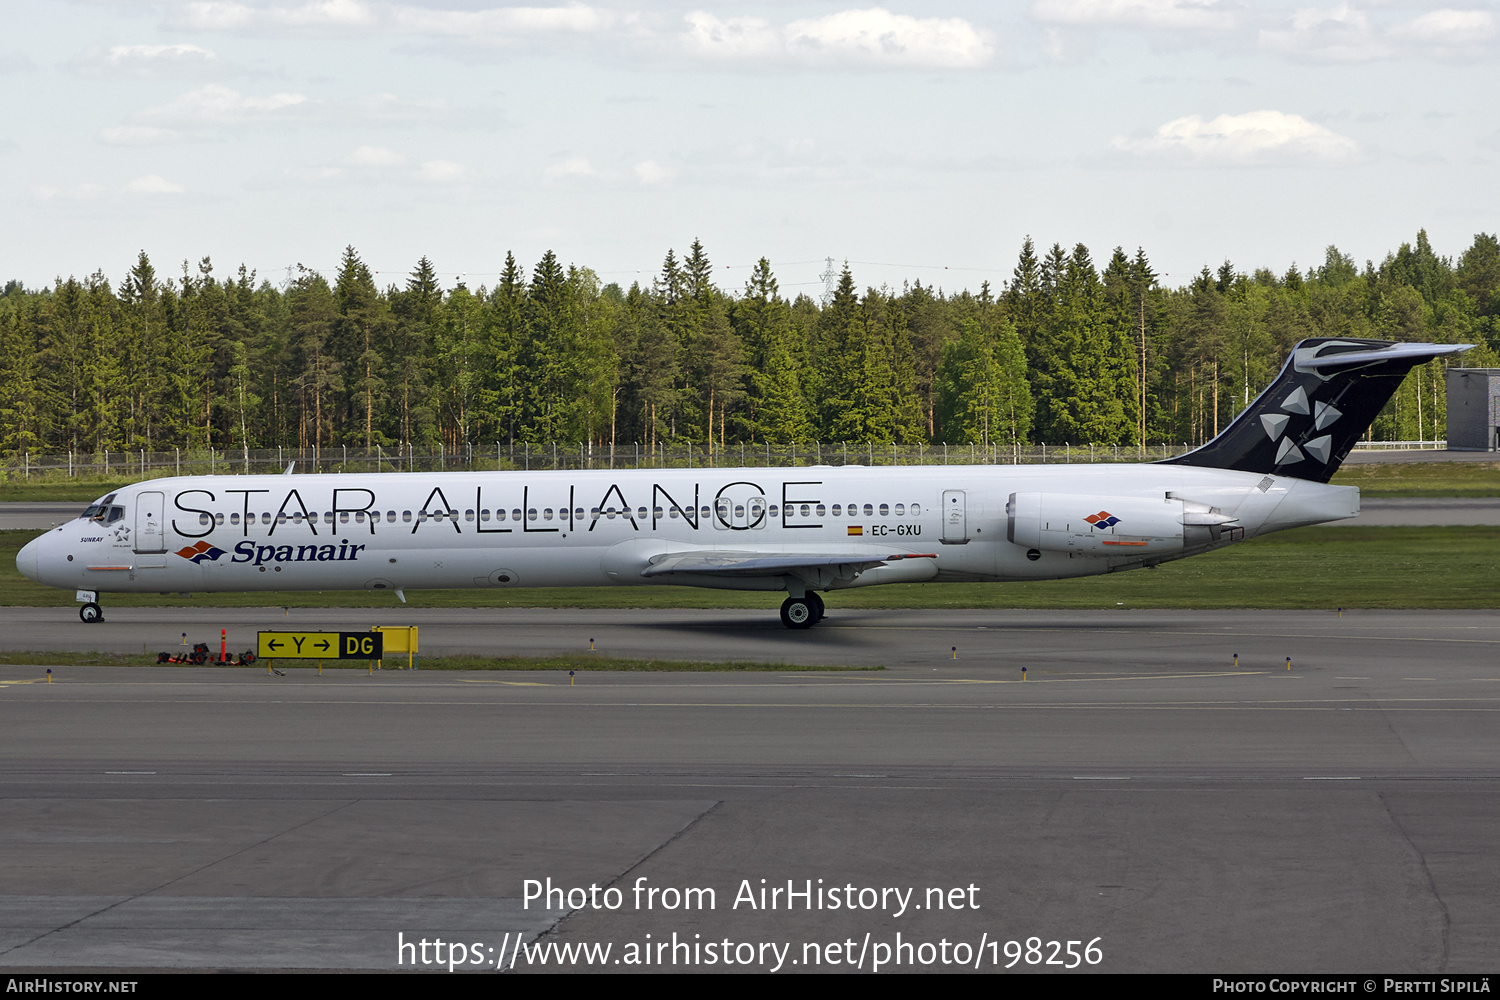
(90, 613)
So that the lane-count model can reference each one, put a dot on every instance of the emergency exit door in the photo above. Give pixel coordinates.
(955, 518)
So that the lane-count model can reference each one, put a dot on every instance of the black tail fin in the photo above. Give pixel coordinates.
(1308, 419)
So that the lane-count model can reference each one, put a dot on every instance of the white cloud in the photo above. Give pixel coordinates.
(1135, 13)
(136, 135)
(154, 184)
(215, 104)
(574, 18)
(1338, 34)
(319, 15)
(651, 172)
(16, 62)
(872, 37)
(573, 166)
(444, 172)
(145, 61)
(78, 192)
(1449, 27)
(355, 17)
(376, 156)
(1253, 137)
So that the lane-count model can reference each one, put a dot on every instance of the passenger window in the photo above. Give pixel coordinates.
(640, 514)
(218, 519)
(822, 511)
(869, 511)
(406, 516)
(837, 511)
(531, 514)
(885, 510)
(900, 509)
(235, 519)
(484, 515)
(915, 510)
(468, 515)
(204, 519)
(546, 513)
(515, 515)
(499, 513)
(390, 517)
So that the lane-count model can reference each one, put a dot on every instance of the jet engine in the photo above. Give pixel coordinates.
(1118, 527)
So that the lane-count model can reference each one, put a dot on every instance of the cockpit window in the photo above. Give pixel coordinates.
(115, 513)
(99, 510)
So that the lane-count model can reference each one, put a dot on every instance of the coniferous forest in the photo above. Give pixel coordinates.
(1068, 350)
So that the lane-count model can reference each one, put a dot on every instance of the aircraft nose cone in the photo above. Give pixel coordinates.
(26, 560)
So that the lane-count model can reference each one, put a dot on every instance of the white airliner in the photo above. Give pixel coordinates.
(798, 530)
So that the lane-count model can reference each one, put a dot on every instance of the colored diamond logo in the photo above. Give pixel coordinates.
(199, 552)
(1103, 519)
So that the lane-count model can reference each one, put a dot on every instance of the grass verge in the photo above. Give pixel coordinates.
(1423, 567)
(1422, 479)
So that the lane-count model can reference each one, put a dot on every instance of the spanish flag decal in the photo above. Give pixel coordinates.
(856, 529)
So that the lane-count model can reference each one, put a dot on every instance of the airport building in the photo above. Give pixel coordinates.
(1474, 409)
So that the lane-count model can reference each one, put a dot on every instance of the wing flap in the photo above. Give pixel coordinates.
(759, 564)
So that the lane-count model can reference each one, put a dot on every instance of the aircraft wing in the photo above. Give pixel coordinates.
(719, 563)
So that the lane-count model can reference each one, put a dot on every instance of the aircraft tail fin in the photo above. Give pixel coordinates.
(1308, 419)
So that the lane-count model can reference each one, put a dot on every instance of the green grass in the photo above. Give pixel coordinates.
(1425, 567)
(1422, 479)
(81, 490)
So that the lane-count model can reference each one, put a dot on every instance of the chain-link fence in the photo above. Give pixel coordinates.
(141, 464)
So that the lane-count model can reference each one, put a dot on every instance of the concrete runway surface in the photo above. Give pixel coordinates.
(1138, 792)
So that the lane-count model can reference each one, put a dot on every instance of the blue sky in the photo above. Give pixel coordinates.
(917, 142)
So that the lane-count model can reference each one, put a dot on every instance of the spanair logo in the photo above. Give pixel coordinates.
(1103, 519)
(200, 552)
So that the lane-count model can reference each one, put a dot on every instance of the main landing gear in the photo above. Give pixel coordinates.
(90, 613)
(802, 612)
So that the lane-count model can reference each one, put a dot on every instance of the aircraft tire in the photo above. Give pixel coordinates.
(91, 613)
(817, 603)
(798, 613)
